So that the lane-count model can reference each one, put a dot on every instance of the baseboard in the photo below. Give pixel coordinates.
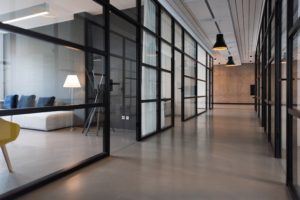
(224, 103)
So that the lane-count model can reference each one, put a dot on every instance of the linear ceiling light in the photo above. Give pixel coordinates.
(26, 13)
(220, 44)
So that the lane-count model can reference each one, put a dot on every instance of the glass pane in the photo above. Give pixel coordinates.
(178, 84)
(128, 7)
(296, 105)
(201, 71)
(201, 104)
(60, 19)
(283, 84)
(148, 118)
(189, 45)
(149, 81)
(166, 56)
(201, 55)
(189, 107)
(123, 74)
(165, 85)
(189, 87)
(296, 71)
(201, 88)
(283, 124)
(48, 142)
(166, 114)
(149, 14)
(31, 64)
(178, 36)
(273, 103)
(166, 23)
(189, 67)
(273, 37)
(149, 49)
(296, 160)
(296, 10)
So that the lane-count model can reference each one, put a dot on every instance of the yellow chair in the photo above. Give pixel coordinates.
(9, 131)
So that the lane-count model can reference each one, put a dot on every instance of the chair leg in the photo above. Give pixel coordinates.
(4, 150)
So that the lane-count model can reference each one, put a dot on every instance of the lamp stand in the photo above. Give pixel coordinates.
(72, 103)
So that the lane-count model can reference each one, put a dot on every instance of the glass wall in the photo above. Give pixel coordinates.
(277, 65)
(283, 83)
(150, 70)
(202, 59)
(53, 77)
(295, 106)
(123, 99)
(190, 77)
(68, 81)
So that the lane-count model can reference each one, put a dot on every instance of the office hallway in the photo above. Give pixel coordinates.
(219, 155)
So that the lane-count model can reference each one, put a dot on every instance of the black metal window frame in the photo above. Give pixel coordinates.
(159, 69)
(107, 10)
(265, 105)
(292, 27)
(209, 85)
(206, 66)
(195, 78)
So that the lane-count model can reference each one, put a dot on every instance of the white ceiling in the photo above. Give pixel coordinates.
(59, 10)
(238, 20)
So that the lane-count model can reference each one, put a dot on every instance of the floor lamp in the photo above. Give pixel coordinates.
(72, 82)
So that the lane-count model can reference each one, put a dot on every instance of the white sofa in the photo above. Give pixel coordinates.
(45, 121)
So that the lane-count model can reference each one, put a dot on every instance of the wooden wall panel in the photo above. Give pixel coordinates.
(232, 84)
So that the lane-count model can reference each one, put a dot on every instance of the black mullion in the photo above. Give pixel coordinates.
(166, 99)
(201, 62)
(159, 67)
(269, 73)
(139, 72)
(168, 71)
(255, 78)
(20, 111)
(190, 97)
(182, 75)
(289, 100)
(166, 41)
(191, 57)
(148, 100)
(206, 92)
(50, 39)
(277, 124)
(196, 82)
(191, 77)
(148, 65)
(173, 73)
(212, 86)
(106, 134)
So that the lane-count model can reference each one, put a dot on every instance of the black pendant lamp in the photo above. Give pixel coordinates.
(230, 61)
(220, 44)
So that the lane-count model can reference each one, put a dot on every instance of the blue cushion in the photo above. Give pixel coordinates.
(26, 101)
(10, 101)
(45, 101)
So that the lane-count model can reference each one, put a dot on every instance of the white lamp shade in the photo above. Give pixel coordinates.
(72, 81)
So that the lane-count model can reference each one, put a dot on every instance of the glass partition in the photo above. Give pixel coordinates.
(46, 79)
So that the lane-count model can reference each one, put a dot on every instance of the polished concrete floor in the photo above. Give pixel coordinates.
(221, 155)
